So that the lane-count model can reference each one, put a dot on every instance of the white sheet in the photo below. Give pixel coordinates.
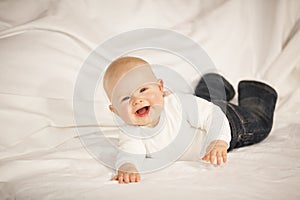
(43, 45)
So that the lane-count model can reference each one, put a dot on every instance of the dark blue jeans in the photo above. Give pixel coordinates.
(252, 119)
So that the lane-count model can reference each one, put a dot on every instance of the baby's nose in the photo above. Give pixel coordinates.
(137, 101)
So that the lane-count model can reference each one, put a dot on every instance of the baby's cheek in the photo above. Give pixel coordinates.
(155, 98)
(125, 113)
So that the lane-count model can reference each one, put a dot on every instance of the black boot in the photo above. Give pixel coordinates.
(256, 107)
(214, 87)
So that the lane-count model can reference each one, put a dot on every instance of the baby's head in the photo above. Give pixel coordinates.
(136, 95)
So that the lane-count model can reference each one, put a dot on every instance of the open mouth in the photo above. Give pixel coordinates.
(143, 111)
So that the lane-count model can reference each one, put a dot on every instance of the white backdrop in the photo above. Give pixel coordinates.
(43, 45)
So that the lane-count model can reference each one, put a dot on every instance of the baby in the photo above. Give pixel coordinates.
(139, 99)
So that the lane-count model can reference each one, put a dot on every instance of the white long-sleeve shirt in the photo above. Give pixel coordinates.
(184, 117)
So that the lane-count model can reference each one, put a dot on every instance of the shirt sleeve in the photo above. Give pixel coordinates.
(207, 116)
(131, 150)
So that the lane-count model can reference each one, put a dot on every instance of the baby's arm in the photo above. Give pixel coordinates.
(127, 173)
(129, 159)
(217, 150)
(214, 121)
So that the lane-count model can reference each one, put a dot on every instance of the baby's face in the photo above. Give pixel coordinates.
(138, 97)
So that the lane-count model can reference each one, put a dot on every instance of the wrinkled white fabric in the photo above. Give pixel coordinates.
(43, 45)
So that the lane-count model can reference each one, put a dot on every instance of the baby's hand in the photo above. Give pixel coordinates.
(216, 150)
(127, 173)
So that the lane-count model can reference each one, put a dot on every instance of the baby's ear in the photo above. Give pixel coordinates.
(112, 109)
(161, 84)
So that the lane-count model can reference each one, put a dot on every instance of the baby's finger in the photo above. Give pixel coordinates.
(206, 158)
(212, 157)
(115, 178)
(138, 178)
(219, 158)
(126, 178)
(121, 179)
(132, 177)
(224, 155)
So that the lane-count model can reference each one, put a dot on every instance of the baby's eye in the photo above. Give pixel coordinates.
(125, 98)
(143, 90)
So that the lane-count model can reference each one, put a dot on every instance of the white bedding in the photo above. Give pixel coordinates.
(43, 45)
